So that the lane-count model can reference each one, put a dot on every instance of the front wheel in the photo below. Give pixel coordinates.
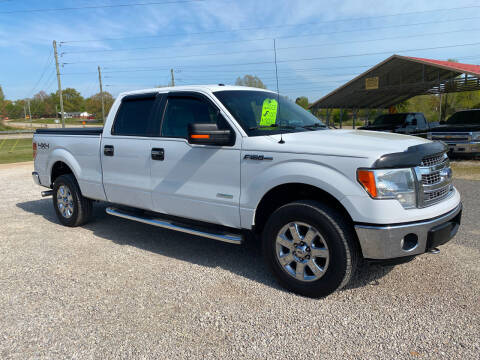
(310, 248)
(71, 207)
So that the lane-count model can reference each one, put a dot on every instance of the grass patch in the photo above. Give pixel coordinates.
(466, 169)
(15, 150)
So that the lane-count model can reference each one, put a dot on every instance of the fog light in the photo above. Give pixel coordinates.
(409, 242)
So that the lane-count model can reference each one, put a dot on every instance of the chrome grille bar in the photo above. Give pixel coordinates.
(434, 179)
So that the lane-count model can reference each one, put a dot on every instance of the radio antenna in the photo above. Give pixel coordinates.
(278, 91)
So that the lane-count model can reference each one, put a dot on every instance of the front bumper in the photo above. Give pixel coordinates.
(472, 148)
(394, 241)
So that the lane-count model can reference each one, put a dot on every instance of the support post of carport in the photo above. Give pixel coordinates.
(341, 117)
(368, 117)
(328, 117)
(354, 117)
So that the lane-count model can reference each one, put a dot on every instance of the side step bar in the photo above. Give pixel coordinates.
(176, 226)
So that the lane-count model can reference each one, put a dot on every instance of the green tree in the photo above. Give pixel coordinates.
(302, 101)
(93, 104)
(72, 100)
(250, 80)
(2, 95)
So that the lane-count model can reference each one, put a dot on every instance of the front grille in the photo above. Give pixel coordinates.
(433, 160)
(437, 195)
(430, 179)
(434, 178)
(450, 138)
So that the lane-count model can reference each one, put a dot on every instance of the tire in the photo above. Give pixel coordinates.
(328, 257)
(71, 207)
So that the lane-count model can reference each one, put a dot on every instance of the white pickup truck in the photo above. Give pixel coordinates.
(226, 162)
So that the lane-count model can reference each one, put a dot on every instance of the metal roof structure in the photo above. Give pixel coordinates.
(399, 78)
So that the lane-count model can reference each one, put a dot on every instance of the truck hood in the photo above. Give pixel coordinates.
(456, 128)
(349, 143)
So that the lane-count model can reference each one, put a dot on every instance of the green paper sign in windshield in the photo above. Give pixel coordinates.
(269, 112)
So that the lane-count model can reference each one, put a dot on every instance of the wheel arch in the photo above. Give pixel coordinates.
(62, 162)
(59, 168)
(286, 193)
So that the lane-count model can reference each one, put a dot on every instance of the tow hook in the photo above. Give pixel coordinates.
(434, 250)
(47, 193)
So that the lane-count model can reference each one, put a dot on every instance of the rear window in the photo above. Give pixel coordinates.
(134, 117)
(390, 119)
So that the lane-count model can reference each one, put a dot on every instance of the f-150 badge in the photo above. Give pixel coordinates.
(257, 157)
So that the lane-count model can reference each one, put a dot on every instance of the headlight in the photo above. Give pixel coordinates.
(476, 136)
(396, 184)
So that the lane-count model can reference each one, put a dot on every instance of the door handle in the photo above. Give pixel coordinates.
(158, 154)
(108, 150)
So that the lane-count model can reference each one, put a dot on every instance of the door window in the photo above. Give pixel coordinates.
(134, 117)
(182, 111)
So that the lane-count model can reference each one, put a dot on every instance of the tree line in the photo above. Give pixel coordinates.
(43, 105)
(47, 105)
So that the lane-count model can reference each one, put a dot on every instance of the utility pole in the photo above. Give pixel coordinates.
(101, 94)
(29, 112)
(59, 83)
(173, 77)
(25, 112)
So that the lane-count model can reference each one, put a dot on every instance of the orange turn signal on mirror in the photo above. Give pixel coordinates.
(367, 179)
(199, 136)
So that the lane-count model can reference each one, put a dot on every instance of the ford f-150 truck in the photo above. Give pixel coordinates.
(461, 132)
(228, 162)
(400, 123)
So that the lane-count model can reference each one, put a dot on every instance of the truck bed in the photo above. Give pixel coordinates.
(96, 131)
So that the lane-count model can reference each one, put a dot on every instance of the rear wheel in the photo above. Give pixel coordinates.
(71, 207)
(310, 248)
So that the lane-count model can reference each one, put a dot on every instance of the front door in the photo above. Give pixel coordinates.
(199, 182)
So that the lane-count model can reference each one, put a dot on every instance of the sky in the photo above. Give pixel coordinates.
(320, 44)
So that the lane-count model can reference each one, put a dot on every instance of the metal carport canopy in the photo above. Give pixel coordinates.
(399, 78)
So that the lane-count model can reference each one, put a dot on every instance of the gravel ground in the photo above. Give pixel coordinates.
(119, 289)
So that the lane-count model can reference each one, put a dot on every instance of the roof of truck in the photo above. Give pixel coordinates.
(210, 88)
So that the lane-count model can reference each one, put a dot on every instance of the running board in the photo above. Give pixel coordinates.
(176, 226)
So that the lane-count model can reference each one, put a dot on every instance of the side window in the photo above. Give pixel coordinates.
(182, 111)
(133, 117)
(422, 122)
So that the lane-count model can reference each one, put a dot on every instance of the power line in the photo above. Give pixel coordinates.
(45, 67)
(273, 26)
(280, 48)
(300, 59)
(99, 6)
(118, 70)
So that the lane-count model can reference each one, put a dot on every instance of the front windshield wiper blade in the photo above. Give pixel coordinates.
(272, 126)
(314, 126)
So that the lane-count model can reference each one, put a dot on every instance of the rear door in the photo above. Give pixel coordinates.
(200, 182)
(126, 151)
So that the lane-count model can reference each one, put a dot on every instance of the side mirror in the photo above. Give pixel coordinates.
(209, 134)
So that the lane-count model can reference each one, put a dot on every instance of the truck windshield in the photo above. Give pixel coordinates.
(390, 119)
(465, 118)
(262, 113)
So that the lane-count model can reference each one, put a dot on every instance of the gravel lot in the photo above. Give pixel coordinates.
(118, 289)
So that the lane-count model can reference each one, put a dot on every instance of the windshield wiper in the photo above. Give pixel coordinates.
(272, 126)
(314, 126)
